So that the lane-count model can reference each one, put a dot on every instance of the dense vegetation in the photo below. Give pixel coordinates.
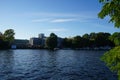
(91, 40)
(6, 38)
(112, 58)
(111, 8)
(116, 38)
(51, 42)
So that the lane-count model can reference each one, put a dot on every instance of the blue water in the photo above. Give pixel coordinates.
(53, 65)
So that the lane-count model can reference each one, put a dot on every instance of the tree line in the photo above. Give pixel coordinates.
(91, 40)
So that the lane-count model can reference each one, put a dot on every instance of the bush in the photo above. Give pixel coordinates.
(112, 60)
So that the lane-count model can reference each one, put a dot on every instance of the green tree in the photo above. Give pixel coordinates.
(102, 39)
(112, 60)
(51, 42)
(115, 37)
(67, 43)
(86, 36)
(6, 38)
(9, 35)
(92, 39)
(77, 42)
(86, 40)
(111, 8)
(92, 35)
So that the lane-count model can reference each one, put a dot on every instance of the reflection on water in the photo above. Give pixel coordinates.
(53, 65)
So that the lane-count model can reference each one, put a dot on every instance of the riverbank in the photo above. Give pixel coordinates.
(95, 48)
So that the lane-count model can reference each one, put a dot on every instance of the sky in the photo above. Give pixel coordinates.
(65, 18)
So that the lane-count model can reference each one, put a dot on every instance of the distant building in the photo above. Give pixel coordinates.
(35, 41)
(20, 43)
(40, 41)
(41, 36)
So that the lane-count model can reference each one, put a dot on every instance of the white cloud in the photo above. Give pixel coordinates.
(62, 20)
(63, 17)
(59, 20)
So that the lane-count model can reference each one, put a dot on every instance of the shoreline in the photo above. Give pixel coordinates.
(88, 49)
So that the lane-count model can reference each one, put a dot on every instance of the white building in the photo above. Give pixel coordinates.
(41, 36)
(40, 41)
(35, 41)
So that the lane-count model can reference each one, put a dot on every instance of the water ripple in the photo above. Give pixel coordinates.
(57, 65)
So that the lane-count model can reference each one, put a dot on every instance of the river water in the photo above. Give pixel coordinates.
(53, 65)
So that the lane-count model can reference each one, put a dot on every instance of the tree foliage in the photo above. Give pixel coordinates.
(51, 42)
(86, 36)
(6, 38)
(67, 43)
(111, 8)
(9, 35)
(102, 39)
(112, 60)
(77, 42)
(115, 37)
(112, 57)
(88, 40)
